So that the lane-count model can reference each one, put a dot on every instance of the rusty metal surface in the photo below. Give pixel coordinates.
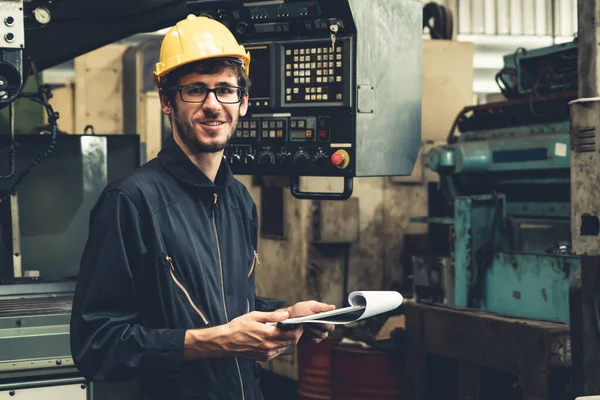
(529, 349)
(585, 175)
(588, 37)
(335, 221)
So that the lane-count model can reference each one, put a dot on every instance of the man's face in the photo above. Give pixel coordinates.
(205, 127)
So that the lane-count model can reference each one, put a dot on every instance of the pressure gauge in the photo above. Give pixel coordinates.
(42, 15)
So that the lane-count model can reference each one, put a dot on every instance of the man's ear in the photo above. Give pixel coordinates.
(244, 105)
(165, 103)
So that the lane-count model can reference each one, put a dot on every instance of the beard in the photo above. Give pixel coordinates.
(187, 133)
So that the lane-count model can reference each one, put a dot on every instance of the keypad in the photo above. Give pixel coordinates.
(302, 128)
(314, 74)
(273, 128)
(247, 129)
(281, 129)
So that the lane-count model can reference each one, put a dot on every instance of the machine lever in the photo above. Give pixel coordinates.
(295, 189)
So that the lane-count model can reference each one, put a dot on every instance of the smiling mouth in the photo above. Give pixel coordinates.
(212, 123)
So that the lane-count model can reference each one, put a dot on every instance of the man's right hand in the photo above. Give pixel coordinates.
(247, 336)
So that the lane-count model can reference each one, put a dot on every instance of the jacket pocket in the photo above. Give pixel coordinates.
(184, 290)
(255, 261)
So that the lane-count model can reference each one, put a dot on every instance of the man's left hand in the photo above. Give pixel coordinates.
(316, 332)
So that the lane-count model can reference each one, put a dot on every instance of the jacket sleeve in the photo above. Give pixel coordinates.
(108, 343)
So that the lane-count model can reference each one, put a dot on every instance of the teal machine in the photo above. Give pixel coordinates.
(506, 178)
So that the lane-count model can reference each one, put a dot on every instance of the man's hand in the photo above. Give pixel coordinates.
(315, 331)
(249, 336)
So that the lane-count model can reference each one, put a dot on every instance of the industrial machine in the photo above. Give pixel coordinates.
(508, 266)
(43, 226)
(327, 100)
(321, 102)
(510, 190)
(322, 105)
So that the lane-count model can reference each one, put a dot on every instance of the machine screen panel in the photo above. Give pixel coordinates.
(260, 76)
(315, 73)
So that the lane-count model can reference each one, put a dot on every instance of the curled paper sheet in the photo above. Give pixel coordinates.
(363, 304)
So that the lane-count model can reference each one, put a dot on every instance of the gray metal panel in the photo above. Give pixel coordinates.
(389, 58)
(55, 250)
(35, 343)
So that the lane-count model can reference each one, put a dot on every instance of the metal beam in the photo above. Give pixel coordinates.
(588, 33)
(584, 129)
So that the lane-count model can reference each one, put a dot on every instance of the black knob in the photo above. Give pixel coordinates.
(321, 159)
(283, 159)
(302, 159)
(241, 28)
(265, 158)
(235, 159)
(249, 159)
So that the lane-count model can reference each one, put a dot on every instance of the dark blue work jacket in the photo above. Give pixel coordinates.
(167, 251)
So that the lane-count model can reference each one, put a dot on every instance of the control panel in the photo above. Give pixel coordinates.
(309, 115)
(301, 110)
(288, 145)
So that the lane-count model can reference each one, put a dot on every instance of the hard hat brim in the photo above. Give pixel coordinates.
(166, 69)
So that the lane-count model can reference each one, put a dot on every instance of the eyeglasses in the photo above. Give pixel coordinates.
(199, 94)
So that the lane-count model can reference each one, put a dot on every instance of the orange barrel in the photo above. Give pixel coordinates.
(364, 374)
(314, 369)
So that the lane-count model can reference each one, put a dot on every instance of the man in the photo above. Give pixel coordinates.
(166, 286)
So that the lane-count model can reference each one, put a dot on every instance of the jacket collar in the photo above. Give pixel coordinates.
(178, 164)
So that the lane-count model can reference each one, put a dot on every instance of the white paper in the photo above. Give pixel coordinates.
(363, 304)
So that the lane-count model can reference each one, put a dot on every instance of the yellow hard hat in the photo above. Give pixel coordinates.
(194, 39)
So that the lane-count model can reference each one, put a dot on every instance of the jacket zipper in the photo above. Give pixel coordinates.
(254, 262)
(237, 364)
(170, 260)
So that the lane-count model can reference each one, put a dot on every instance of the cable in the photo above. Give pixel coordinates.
(41, 96)
(41, 157)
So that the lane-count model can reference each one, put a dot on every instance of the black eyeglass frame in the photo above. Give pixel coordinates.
(208, 91)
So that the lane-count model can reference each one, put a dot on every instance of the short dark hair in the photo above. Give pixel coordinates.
(209, 66)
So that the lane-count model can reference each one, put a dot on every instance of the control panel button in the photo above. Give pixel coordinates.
(276, 129)
(337, 159)
(314, 70)
(235, 159)
(303, 128)
(302, 159)
(247, 129)
(266, 158)
(283, 159)
(340, 159)
(321, 159)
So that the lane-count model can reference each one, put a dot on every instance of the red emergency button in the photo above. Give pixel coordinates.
(340, 159)
(337, 159)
